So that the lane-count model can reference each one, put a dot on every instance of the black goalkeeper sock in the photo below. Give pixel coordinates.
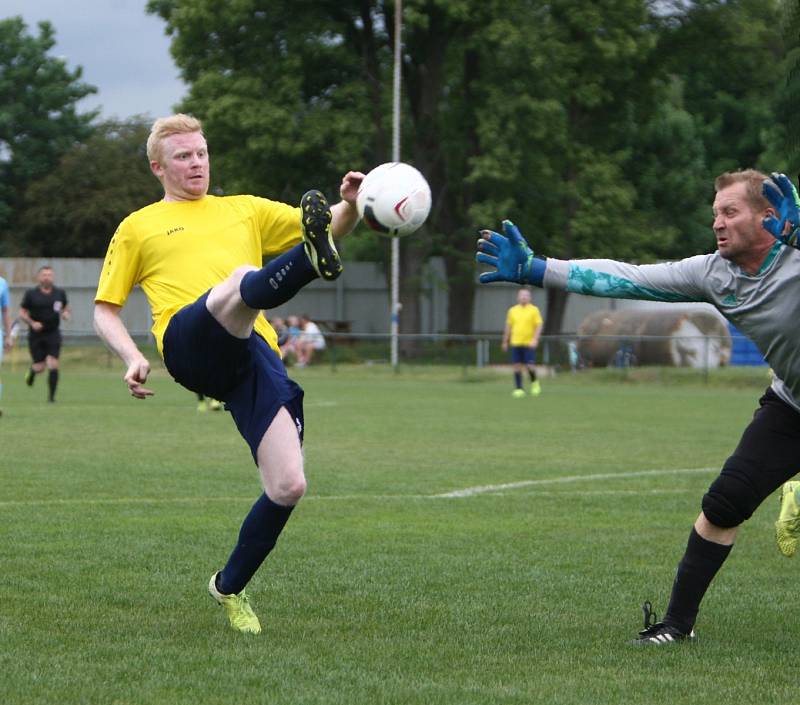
(52, 383)
(257, 537)
(532, 374)
(695, 572)
(279, 281)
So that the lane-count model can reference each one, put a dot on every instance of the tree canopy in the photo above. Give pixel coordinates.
(38, 115)
(74, 209)
(596, 125)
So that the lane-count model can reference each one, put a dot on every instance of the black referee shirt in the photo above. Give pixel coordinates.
(45, 307)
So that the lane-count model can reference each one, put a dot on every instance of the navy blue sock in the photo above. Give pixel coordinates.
(257, 537)
(279, 281)
(532, 374)
(518, 379)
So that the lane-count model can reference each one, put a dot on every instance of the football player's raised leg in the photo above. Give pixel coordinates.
(237, 301)
(225, 303)
(315, 257)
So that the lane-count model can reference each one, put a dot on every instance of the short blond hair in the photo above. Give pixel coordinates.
(752, 179)
(178, 124)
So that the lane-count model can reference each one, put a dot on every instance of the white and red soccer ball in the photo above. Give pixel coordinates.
(394, 199)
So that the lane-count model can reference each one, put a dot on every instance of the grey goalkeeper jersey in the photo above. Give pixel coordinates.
(764, 306)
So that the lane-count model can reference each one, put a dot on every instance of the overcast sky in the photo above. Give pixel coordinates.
(124, 52)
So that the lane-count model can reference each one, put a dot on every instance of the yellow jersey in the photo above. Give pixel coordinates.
(523, 322)
(178, 250)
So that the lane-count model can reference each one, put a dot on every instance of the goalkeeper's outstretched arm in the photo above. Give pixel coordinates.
(513, 260)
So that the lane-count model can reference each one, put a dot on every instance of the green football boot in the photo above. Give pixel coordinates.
(237, 607)
(787, 528)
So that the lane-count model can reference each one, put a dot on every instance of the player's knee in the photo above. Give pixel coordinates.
(226, 293)
(732, 497)
(236, 275)
(285, 480)
(288, 490)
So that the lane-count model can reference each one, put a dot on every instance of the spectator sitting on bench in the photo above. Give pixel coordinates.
(309, 341)
(281, 330)
(288, 341)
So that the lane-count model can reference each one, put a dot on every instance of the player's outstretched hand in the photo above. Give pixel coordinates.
(351, 182)
(782, 194)
(135, 378)
(510, 255)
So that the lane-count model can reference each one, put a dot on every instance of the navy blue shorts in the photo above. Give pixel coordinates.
(248, 375)
(523, 355)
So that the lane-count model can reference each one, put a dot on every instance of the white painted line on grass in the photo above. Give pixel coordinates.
(455, 494)
(489, 489)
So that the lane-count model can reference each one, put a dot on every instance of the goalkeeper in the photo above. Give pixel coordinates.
(753, 279)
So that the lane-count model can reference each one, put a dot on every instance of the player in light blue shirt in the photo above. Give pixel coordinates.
(6, 340)
(753, 279)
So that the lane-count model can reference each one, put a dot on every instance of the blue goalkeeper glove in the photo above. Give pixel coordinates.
(782, 194)
(511, 257)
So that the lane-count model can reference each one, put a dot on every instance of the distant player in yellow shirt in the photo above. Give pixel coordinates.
(523, 327)
(198, 258)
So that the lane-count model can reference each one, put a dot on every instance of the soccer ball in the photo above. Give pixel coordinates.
(394, 199)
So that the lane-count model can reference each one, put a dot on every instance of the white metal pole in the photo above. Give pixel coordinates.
(395, 268)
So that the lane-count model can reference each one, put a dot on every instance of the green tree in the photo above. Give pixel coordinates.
(293, 95)
(523, 108)
(669, 169)
(38, 114)
(562, 130)
(728, 55)
(783, 153)
(74, 210)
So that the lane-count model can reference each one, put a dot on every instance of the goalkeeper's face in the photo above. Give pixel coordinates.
(183, 167)
(740, 235)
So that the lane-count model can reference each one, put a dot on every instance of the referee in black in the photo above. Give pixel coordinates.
(42, 308)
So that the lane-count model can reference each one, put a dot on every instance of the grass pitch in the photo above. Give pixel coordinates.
(456, 546)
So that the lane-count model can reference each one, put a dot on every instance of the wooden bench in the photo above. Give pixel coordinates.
(341, 328)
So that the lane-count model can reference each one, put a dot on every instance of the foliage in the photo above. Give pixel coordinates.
(74, 210)
(597, 126)
(672, 182)
(270, 87)
(38, 113)
(785, 154)
(728, 56)
(510, 108)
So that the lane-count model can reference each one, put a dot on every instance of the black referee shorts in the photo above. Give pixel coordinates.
(44, 344)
